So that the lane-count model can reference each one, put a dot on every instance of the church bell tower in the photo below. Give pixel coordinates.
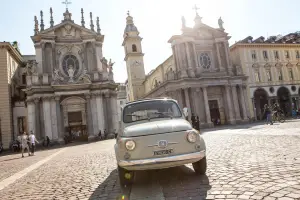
(134, 58)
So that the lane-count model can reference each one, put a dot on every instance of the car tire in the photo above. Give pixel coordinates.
(123, 176)
(200, 166)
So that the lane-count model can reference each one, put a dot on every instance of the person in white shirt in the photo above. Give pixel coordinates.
(24, 143)
(186, 112)
(32, 141)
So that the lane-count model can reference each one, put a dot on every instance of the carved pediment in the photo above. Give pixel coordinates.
(68, 30)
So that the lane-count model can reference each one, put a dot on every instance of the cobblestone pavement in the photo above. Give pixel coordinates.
(244, 162)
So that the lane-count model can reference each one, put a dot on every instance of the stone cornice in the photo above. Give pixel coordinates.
(264, 45)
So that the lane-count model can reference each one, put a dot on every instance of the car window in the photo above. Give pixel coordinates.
(150, 110)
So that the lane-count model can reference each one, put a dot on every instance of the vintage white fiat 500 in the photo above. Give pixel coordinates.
(155, 135)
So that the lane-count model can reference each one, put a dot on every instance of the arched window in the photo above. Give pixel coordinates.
(134, 48)
(70, 61)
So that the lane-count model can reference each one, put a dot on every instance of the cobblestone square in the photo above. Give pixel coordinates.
(254, 161)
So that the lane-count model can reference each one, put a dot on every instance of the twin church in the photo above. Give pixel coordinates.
(68, 85)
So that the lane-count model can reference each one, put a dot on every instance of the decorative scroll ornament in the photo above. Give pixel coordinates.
(57, 76)
(85, 77)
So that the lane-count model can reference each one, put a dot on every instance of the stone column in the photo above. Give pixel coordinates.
(37, 132)
(235, 103)
(243, 102)
(100, 112)
(114, 112)
(47, 117)
(189, 60)
(254, 108)
(229, 104)
(182, 69)
(43, 58)
(90, 130)
(53, 57)
(187, 101)
(175, 59)
(31, 115)
(207, 111)
(60, 127)
(227, 59)
(219, 57)
(196, 103)
(54, 126)
(94, 114)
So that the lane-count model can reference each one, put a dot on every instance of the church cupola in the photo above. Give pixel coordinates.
(130, 27)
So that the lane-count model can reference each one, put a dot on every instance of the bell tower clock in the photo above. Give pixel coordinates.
(134, 60)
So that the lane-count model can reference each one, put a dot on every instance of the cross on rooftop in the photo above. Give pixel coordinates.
(196, 9)
(67, 2)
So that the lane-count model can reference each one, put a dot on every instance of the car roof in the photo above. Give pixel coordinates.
(149, 99)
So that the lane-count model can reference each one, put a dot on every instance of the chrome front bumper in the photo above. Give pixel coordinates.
(190, 157)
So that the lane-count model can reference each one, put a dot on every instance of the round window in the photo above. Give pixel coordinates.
(293, 88)
(205, 61)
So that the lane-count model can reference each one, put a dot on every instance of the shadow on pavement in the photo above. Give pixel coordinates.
(110, 189)
(56, 146)
(183, 182)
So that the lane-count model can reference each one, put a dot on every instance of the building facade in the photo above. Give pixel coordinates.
(10, 61)
(199, 73)
(121, 101)
(69, 84)
(273, 68)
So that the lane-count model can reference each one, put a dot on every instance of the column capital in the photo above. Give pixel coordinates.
(46, 97)
(29, 100)
(87, 96)
(36, 100)
(95, 94)
(57, 98)
(198, 89)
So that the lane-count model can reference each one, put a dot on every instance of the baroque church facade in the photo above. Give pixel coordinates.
(199, 74)
(69, 84)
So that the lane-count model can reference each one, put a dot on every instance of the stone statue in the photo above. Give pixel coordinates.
(183, 22)
(103, 60)
(71, 73)
(34, 67)
(220, 22)
(110, 64)
(28, 69)
(85, 77)
(56, 76)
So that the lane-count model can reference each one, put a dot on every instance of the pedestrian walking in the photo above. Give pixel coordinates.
(32, 141)
(268, 113)
(24, 143)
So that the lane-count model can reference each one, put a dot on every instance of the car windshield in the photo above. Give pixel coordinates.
(151, 109)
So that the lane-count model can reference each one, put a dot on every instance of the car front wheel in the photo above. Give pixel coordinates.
(200, 166)
(125, 176)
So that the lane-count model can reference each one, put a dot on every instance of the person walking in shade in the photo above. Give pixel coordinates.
(268, 113)
(32, 141)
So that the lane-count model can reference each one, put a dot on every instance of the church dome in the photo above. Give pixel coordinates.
(130, 27)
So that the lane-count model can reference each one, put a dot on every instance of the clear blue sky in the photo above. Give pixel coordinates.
(157, 21)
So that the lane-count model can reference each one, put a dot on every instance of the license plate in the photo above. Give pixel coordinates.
(163, 152)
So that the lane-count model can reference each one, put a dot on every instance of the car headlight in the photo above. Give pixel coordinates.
(130, 145)
(192, 136)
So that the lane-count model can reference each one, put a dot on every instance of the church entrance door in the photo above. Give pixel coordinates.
(74, 111)
(214, 112)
